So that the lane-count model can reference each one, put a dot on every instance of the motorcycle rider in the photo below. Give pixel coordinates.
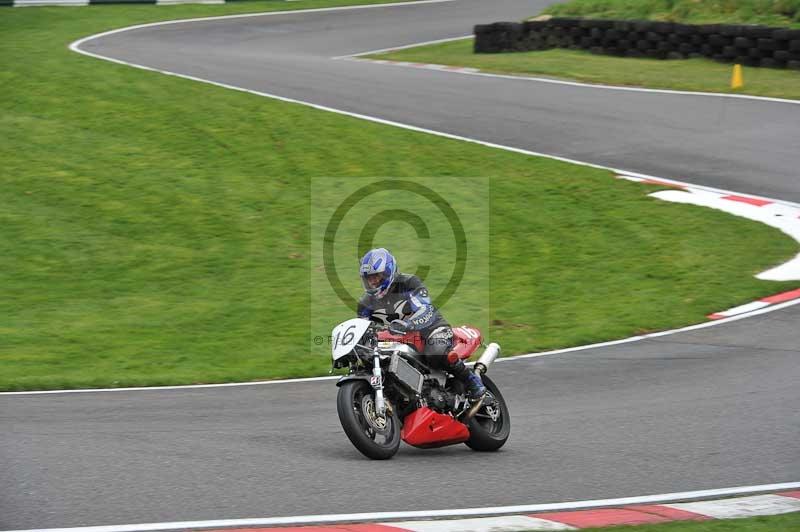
(401, 301)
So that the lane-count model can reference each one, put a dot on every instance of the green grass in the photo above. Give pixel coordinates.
(689, 75)
(765, 12)
(772, 523)
(155, 230)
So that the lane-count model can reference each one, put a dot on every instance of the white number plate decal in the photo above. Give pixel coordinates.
(346, 335)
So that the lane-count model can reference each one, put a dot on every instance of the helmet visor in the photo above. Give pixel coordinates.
(372, 281)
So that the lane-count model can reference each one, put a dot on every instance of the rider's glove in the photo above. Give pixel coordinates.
(398, 327)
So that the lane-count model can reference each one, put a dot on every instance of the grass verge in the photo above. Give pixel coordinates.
(155, 230)
(771, 523)
(701, 75)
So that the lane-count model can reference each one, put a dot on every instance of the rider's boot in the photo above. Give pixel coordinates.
(472, 381)
(475, 388)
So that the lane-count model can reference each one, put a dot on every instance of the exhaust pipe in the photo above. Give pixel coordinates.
(489, 355)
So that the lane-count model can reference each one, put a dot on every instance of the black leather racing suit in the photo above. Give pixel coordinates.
(408, 300)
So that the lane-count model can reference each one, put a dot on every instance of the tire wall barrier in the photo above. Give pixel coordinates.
(749, 45)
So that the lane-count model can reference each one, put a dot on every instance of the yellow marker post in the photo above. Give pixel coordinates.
(737, 80)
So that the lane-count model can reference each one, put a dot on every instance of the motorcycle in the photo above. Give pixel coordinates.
(390, 394)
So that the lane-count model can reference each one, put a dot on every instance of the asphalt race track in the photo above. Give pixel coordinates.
(710, 408)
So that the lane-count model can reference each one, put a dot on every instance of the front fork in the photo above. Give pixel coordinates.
(377, 383)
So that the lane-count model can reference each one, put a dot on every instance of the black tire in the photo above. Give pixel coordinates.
(486, 434)
(353, 405)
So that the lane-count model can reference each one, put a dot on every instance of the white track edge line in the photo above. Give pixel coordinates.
(523, 77)
(75, 47)
(659, 334)
(403, 47)
(388, 516)
(176, 387)
(242, 15)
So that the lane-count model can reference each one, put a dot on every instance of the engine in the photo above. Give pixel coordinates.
(437, 398)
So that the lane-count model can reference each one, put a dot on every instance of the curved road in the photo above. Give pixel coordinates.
(709, 408)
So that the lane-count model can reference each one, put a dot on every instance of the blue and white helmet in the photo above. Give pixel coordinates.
(378, 260)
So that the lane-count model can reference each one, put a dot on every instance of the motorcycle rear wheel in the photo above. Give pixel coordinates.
(490, 427)
(375, 438)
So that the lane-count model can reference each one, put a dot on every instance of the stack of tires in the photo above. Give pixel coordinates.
(746, 44)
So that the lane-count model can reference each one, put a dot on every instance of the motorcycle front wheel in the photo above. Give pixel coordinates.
(491, 425)
(376, 437)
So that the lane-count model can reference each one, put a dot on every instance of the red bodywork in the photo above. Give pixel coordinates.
(466, 340)
(425, 428)
(413, 338)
